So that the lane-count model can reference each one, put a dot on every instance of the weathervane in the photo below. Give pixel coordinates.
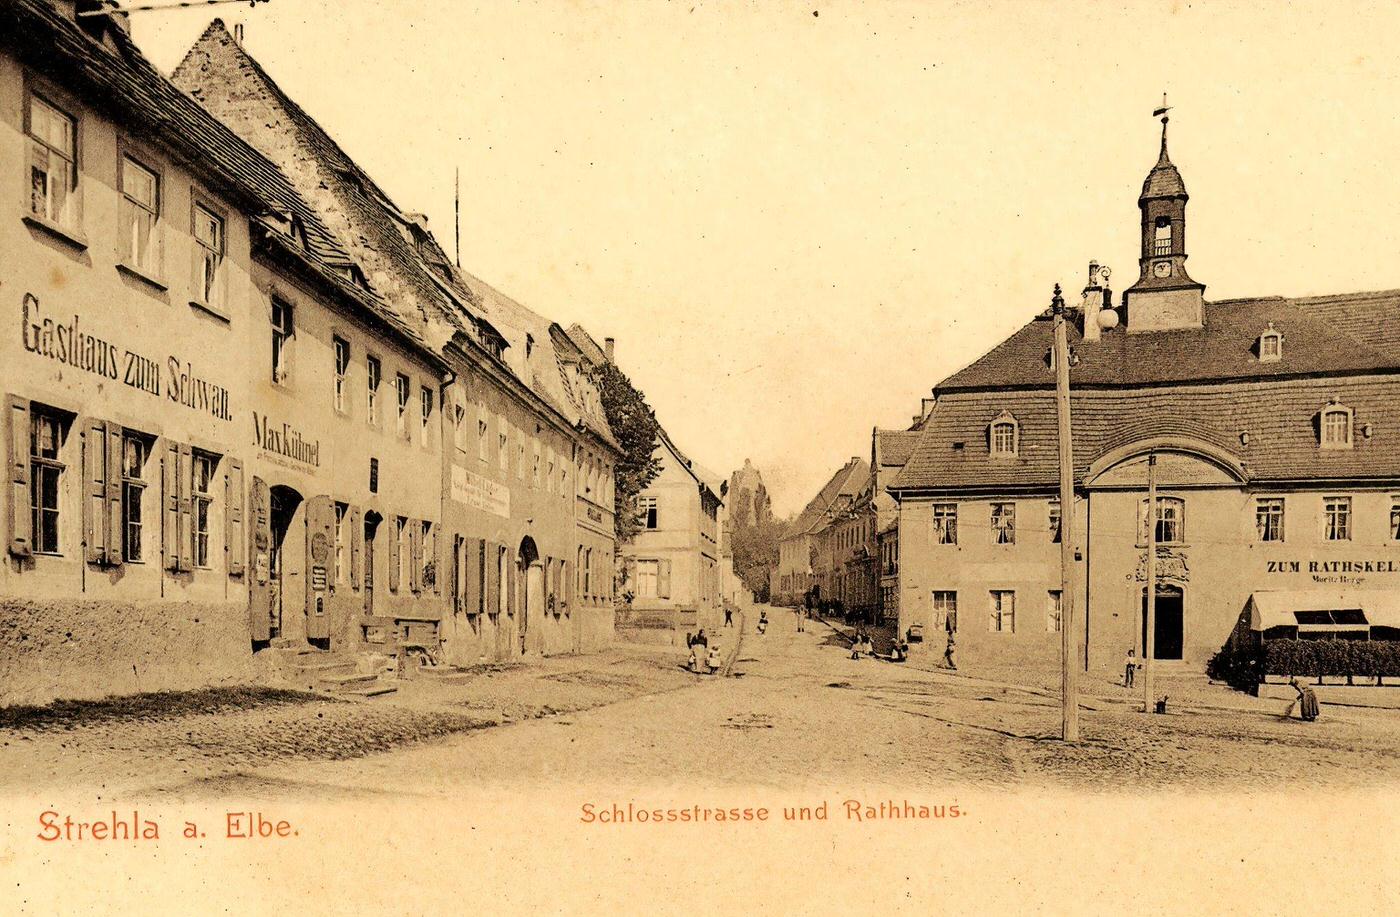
(1162, 113)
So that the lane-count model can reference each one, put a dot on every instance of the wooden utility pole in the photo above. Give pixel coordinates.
(1069, 642)
(1149, 642)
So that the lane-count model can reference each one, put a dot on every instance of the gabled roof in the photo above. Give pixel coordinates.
(846, 482)
(403, 259)
(704, 479)
(893, 447)
(1335, 335)
(587, 345)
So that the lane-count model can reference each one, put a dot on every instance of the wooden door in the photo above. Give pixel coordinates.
(260, 587)
(320, 542)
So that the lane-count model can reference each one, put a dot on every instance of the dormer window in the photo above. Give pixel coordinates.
(1270, 345)
(1334, 427)
(1003, 436)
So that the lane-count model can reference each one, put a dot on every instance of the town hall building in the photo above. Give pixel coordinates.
(1275, 426)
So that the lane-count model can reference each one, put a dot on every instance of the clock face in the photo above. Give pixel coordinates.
(1162, 269)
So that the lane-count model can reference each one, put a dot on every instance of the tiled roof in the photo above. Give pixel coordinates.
(846, 482)
(220, 74)
(893, 447)
(1279, 416)
(407, 266)
(1330, 335)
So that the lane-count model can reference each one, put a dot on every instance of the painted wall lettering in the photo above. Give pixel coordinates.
(70, 345)
(285, 441)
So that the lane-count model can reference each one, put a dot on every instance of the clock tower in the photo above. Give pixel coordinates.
(1165, 298)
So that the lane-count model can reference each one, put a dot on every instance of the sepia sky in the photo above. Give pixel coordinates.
(796, 218)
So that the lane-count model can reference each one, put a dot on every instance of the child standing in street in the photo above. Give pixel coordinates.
(1130, 664)
(948, 654)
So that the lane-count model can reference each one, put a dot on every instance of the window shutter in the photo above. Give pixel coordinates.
(663, 579)
(21, 521)
(474, 576)
(185, 477)
(415, 555)
(170, 504)
(566, 577)
(235, 543)
(357, 544)
(491, 561)
(438, 573)
(395, 556)
(114, 494)
(95, 491)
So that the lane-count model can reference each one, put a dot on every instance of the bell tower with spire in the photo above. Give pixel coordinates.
(1165, 298)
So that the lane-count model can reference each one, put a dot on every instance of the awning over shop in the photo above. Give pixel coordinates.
(1324, 609)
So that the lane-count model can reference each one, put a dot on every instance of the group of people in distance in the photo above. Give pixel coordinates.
(862, 645)
(704, 658)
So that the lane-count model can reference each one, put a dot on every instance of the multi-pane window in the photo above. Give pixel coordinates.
(201, 498)
(401, 552)
(481, 432)
(342, 515)
(373, 372)
(535, 444)
(1336, 518)
(342, 370)
(647, 506)
(648, 572)
(282, 331)
(1270, 346)
(53, 172)
(1003, 438)
(459, 427)
(1336, 428)
(1003, 523)
(401, 390)
(945, 610)
(1054, 610)
(945, 523)
(1171, 520)
(1395, 521)
(134, 451)
(428, 552)
(1003, 611)
(140, 208)
(1268, 518)
(503, 580)
(1054, 521)
(425, 405)
(209, 254)
(45, 474)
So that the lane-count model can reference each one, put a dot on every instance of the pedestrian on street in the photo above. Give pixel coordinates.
(948, 654)
(801, 620)
(1130, 664)
(714, 661)
(701, 639)
(1308, 708)
(728, 616)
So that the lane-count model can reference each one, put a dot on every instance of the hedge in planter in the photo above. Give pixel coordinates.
(1323, 658)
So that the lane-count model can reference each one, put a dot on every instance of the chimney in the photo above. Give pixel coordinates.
(608, 346)
(925, 407)
(238, 34)
(1093, 297)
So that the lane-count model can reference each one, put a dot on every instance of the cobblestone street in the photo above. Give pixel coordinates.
(797, 711)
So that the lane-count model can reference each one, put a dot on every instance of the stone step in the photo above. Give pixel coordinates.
(324, 666)
(374, 690)
(348, 680)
